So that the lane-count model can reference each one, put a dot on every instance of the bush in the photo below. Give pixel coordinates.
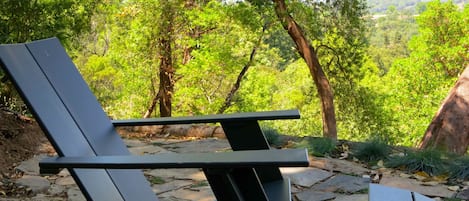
(372, 151)
(430, 161)
(318, 146)
(273, 136)
(459, 168)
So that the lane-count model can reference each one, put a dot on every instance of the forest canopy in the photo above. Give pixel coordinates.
(389, 66)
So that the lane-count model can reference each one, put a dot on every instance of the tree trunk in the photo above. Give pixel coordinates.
(309, 55)
(166, 73)
(241, 75)
(449, 128)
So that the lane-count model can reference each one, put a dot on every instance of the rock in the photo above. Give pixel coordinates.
(176, 184)
(200, 131)
(347, 167)
(74, 194)
(404, 175)
(464, 194)
(31, 166)
(147, 150)
(219, 133)
(64, 173)
(354, 197)
(305, 177)
(181, 174)
(430, 183)
(453, 188)
(311, 195)
(42, 197)
(134, 143)
(55, 189)
(202, 194)
(343, 183)
(413, 185)
(199, 146)
(36, 183)
(64, 181)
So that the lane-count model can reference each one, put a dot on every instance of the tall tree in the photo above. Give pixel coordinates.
(235, 87)
(308, 53)
(444, 47)
(22, 21)
(448, 130)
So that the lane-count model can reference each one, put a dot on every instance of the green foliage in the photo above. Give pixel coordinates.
(372, 151)
(430, 161)
(273, 136)
(318, 146)
(157, 180)
(459, 168)
(416, 85)
(389, 74)
(23, 20)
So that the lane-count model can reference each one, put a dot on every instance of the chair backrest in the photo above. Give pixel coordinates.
(71, 117)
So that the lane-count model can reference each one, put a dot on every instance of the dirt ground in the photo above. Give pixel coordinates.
(20, 139)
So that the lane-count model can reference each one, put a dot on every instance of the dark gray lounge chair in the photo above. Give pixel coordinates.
(88, 145)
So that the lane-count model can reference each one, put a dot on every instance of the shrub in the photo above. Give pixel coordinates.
(429, 160)
(371, 151)
(318, 146)
(272, 135)
(459, 168)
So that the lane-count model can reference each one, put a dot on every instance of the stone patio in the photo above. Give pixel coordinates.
(326, 179)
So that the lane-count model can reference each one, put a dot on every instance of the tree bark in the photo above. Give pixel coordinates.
(308, 53)
(241, 75)
(166, 72)
(449, 130)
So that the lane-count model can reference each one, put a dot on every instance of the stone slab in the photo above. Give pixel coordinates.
(305, 177)
(343, 183)
(343, 166)
(134, 143)
(311, 195)
(31, 166)
(36, 183)
(172, 185)
(74, 194)
(414, 185)
(354, 197)
(65, 181)
(202, 194)
(199, 146)
(181, 174)
(147, 150)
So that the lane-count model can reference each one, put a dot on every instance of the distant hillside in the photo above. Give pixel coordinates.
(379, 6)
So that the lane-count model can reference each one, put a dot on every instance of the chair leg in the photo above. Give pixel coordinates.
(235, 184)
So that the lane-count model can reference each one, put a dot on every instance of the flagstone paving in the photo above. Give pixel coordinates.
(326, 179)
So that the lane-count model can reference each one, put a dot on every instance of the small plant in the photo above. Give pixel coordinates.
(372, 151)
(430, 161)
(272, 136)
(318, 146)
(157, 180)
(459, 168)
(199, 184)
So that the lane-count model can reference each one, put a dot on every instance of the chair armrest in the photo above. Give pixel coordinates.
(235, 159)
(247, 116)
